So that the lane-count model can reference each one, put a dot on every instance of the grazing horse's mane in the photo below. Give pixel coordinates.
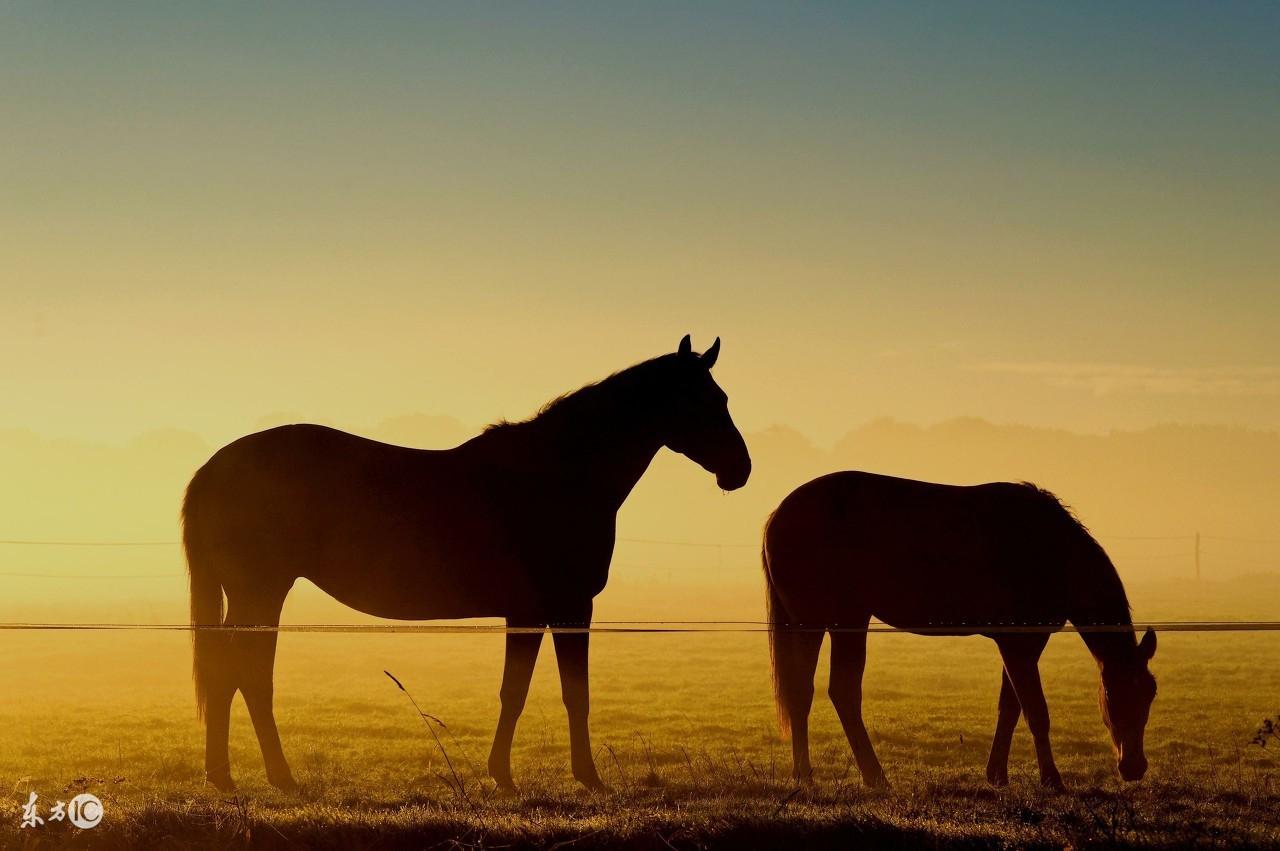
(1052, 499)
(1108, 603)
(620, 386)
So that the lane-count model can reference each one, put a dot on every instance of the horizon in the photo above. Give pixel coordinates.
(1145, 493)
(448, 422)
(1105, 383)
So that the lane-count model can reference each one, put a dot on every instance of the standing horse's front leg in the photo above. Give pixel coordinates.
(571, 654)
(522, 653)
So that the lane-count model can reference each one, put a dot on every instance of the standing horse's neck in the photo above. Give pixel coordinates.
(1100, 601)
(604, 436)
(612, 457)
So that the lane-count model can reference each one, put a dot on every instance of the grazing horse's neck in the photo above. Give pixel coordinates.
(1101, 603)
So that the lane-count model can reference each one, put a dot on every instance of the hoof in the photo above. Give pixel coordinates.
(594, 785)
(222, 782)
(500, 772)
(877, 782)
(586, 774)
(285, 784)
(997, 778)
(506, 785)
(1052, 782)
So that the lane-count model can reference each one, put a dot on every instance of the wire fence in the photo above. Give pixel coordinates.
(670, 626)
(662, 541)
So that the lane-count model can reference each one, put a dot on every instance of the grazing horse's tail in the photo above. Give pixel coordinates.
(206, 598)
(780, 657)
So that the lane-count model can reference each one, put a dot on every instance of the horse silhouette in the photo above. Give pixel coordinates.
(1004, 560)
(516, 523)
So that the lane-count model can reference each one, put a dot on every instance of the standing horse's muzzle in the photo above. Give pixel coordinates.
(732, 480)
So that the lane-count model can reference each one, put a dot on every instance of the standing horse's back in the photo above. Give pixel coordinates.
(388, 530)
(852, 545)
(279, 493)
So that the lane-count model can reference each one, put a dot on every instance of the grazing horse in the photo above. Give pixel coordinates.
(516, 523)
(1003, 560)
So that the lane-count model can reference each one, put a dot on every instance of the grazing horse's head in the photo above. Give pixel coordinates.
(696, 421)
(1125, 695)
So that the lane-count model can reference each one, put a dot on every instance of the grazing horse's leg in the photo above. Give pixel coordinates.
(522, 653)
(220, 690)
(257, 656)
(1021, 654)
(571, 654)
(848, 659)
(797, 690)
(1010, 709)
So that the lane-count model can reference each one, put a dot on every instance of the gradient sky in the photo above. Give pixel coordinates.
(1057, 215)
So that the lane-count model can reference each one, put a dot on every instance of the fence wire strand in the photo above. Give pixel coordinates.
(655, 541)
(661, 626)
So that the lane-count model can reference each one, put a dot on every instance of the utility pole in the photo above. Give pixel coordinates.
(1197, 556)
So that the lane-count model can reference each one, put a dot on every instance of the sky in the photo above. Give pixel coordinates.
(1055, 215)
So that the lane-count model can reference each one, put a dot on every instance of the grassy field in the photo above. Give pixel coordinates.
(684, 731)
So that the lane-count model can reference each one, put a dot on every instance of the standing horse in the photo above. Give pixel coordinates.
(516, 523)
(1003, 560)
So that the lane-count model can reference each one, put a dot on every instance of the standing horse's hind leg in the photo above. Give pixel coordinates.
(848, 660)
(1010, 709)
(256, 653)
(522, 653)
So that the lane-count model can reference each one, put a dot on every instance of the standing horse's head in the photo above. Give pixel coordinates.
(696, 422)
(1125, 695)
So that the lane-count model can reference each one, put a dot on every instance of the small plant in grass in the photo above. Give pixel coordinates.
(622, 775)
(1269, 730)
(456, 783)
(651, 779)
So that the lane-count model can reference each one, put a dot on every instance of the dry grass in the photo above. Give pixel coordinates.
(683, 731)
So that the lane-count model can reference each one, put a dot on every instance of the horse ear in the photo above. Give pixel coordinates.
(710, 355)
(1147, 646)
(686, 346)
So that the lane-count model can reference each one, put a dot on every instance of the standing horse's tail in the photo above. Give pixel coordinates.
(780, 655)
(206, 598)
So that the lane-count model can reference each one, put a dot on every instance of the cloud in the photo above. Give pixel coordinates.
(1107, 378)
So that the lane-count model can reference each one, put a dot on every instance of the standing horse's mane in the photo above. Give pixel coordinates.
(587, 396)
